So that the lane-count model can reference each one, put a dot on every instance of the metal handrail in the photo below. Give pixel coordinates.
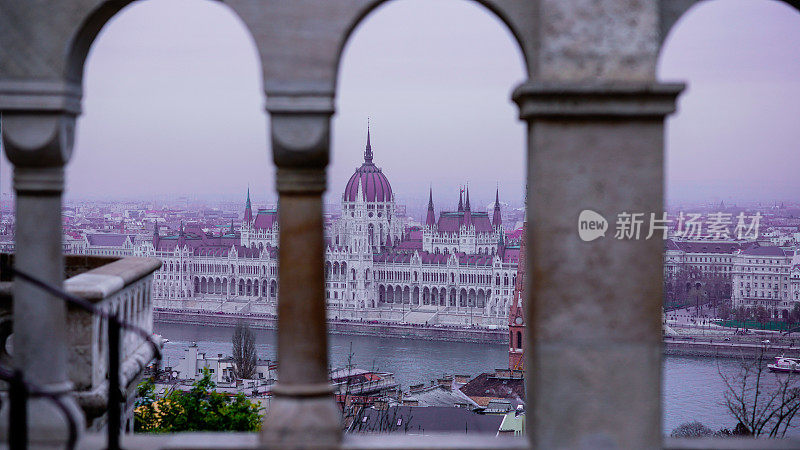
(115, 325)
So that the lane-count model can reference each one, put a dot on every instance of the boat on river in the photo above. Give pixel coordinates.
(784, 364)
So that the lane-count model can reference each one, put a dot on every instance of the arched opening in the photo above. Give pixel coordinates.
(424, 90)
(141, 76)
(740, 61)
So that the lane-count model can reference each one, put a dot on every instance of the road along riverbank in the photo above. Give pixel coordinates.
(344, 327)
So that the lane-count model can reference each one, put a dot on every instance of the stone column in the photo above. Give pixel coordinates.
(39, 144)
(302, 412)
(594, 308)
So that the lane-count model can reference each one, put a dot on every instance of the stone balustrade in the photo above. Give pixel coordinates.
(117, 286)
(121, 287)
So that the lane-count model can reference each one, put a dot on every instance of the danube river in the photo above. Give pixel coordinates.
(693, 389)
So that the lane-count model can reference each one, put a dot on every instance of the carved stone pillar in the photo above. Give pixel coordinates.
(302, 412)
(594, 308)
(39, 144)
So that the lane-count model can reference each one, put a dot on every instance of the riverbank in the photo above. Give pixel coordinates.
(711, 344)
(693, 388)
(447, 333)
(711, 349)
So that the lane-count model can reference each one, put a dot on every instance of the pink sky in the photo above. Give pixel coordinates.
(173, 104)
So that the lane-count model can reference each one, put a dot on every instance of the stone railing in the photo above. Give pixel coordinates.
(117, 286)
(122, 287)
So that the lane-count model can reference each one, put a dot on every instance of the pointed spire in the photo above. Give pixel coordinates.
(431, 219)
(460, 199)
(467, 211)
(248, 209)
(368, 149)
(233, 230)
(497, 220)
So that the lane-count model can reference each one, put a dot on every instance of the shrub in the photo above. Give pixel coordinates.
(691, 430)
(201, 409)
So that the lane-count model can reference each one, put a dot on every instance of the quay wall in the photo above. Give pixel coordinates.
(726, 349)
(443, 333)
(700, 346)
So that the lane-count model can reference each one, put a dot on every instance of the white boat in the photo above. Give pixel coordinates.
(784, 364)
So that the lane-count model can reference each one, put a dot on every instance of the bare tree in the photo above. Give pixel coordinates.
(244, 351)
(762, 403)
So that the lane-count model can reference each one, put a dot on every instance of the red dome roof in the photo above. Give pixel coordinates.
(375, 186)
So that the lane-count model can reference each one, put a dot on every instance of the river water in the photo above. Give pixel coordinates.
(692, 387)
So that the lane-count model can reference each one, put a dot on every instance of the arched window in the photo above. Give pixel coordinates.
(519, 339)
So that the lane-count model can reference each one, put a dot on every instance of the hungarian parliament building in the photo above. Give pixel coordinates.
(459, 268)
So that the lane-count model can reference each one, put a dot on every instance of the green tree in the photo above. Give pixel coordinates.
(761, 314)
(742, 314)
(794, 314)
(201, 409)
(724, 312)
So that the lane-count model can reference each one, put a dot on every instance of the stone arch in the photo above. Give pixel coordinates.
(515, 18)
(672, 12)
(95, 19)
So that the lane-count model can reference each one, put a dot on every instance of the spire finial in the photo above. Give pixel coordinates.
(368, 150)
(467, 203)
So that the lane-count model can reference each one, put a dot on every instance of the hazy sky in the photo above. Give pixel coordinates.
(173, 104)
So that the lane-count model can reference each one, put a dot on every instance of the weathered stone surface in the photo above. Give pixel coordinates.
(590, 40)
(607, 289)
(590, 396)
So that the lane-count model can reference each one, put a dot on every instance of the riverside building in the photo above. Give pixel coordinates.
(457, 269)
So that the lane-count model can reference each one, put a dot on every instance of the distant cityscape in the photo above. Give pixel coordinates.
(431, 268)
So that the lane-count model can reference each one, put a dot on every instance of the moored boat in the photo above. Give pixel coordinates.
(784, 364)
